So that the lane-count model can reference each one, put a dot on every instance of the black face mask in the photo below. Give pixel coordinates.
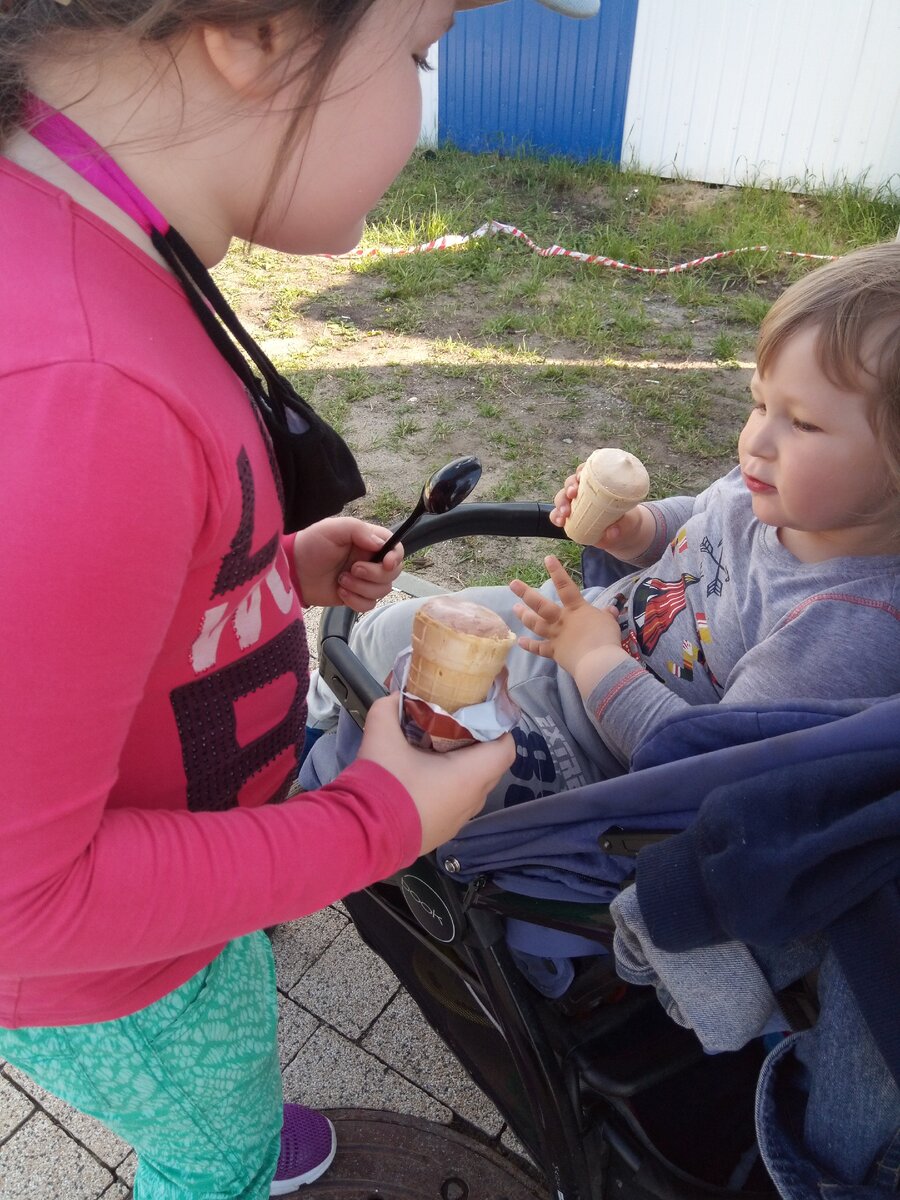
(316, 472)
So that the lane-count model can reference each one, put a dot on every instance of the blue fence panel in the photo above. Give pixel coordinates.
(519, 75)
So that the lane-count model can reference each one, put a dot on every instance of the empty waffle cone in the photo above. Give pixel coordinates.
(458, 650)
(612, 481)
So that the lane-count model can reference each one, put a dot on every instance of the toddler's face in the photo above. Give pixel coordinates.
(811, 459)
(362, 133)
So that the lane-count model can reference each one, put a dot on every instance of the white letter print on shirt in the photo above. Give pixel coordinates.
(216, 764)
(246, 615)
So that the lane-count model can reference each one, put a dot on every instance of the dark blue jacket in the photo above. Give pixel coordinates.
(793, 816)
(800, 849)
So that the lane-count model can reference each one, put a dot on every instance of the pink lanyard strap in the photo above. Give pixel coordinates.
(78, 150)
(315, 472)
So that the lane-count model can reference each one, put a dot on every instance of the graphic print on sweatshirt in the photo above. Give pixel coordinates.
(655, 604)
(716, 585)
(216, 764)
(692, 655)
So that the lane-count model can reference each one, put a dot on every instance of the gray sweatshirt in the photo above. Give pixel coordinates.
(721, 612)
(727, 613)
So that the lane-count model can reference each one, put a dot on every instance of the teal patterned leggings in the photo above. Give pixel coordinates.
(192, 1081)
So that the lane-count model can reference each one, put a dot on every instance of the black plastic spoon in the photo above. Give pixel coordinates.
(446, 488)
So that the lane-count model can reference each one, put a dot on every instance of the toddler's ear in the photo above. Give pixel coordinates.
(244, 55)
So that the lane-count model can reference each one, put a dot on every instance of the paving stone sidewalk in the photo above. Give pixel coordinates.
(350, 1037)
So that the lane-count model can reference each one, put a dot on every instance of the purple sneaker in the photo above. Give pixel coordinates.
(308, 1143)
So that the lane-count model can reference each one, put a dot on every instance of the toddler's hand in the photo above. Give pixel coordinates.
(447, 789)
(625, 538)
(630, 536)
(562, 501)
(584, 640)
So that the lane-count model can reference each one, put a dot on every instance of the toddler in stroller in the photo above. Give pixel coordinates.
(610, 1096)
(783, 857)
(777, 581)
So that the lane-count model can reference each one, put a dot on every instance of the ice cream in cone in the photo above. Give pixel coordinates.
(612, 481)
(458, 650)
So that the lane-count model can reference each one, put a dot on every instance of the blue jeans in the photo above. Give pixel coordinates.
(827, 1108)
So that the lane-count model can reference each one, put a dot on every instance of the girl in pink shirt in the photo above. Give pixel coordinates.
(154, 657)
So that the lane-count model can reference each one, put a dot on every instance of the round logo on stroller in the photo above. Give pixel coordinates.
(428, 908)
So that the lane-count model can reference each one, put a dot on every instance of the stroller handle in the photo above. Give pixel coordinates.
(339, 667)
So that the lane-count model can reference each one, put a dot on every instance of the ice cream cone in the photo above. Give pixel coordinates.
(612, 482)
(458, 650)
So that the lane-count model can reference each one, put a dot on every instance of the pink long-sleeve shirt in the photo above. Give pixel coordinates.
(153, 662)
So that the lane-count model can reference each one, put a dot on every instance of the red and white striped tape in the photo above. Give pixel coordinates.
(450, 240)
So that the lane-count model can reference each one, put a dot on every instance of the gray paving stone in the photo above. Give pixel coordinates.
(103, 1142)
(407, 584)
(39, 1160)
(126, 1170)
(14, 1108)
(298, 944)
(348, 986)
(402, 1038)
(118, 1191)
(295, 1026)
(332, 1072)
(511, 1142)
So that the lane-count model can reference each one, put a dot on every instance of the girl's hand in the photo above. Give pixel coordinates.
(584, 640)
(332, 563)
(447, 789)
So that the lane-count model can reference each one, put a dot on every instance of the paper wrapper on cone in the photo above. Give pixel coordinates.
(452, 680)
(612, 481)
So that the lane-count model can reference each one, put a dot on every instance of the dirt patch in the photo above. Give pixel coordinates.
(593, 205)
(685, 197)
(414, 380)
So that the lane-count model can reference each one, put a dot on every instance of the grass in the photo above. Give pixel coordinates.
(404, 427)
(532, 570)
(627, 215)
(385, 507)
(530, 362)
(724, 348)
(358, 385)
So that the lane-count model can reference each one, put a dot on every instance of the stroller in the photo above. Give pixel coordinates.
(609, 1096)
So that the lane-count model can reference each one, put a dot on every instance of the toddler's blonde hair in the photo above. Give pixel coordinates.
(854, 303)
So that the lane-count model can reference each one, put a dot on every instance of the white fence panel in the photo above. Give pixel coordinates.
(428, 133)
(737, 91)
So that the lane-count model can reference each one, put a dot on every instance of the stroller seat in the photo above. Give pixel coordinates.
(609, 1096)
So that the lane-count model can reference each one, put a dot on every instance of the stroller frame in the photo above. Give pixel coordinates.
(571, 1102)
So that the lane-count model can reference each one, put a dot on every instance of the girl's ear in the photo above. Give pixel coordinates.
(244, 55)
